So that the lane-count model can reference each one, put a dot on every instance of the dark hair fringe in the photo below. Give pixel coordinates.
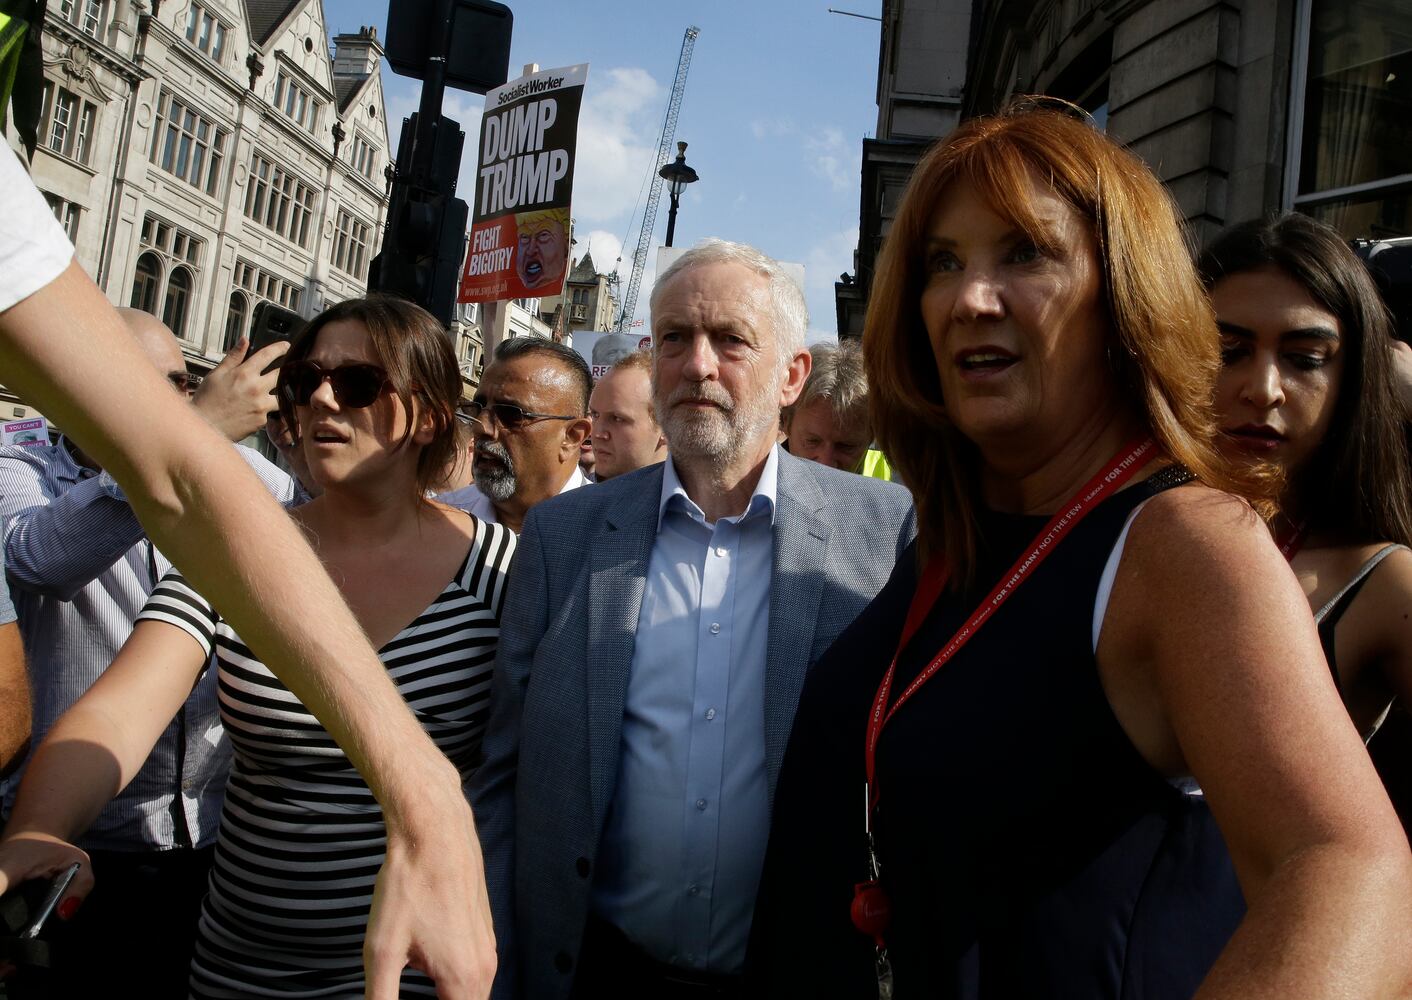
(1357, 488)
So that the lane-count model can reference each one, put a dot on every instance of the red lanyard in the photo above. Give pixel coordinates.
(870, 910)
(1127, 462)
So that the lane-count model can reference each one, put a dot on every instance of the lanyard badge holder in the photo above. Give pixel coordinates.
(871, 911)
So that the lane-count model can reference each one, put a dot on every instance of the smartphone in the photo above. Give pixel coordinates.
(58, 885)
(271, 323)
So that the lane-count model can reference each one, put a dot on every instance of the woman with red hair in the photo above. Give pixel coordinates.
(994, 784)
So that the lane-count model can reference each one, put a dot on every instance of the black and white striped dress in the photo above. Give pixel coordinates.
(301, 836)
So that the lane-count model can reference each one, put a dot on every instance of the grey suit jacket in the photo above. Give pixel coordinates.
(542, 792)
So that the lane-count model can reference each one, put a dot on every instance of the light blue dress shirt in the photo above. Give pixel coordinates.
(680, 860)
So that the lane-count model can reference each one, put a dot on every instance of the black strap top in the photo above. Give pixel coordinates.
(1027, 847)
(1328, 616)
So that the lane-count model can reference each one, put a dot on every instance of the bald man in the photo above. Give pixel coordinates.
(80, 567)
(529, 420)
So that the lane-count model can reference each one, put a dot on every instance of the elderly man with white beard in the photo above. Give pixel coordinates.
(656, 634)
(528, 418)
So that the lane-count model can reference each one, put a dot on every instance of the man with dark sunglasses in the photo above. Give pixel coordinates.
(80, 567)
(528, 420)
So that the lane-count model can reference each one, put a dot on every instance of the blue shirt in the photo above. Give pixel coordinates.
(680, 860)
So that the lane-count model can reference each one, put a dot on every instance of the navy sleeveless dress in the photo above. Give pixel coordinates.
(1027, 848)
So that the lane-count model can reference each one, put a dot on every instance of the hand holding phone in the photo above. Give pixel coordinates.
(238, 393)
(29, 861)
(24, 911)
(58, 885)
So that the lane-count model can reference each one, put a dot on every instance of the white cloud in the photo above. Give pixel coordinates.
(607, 248)
(833, 157)
(616, 144)
(820, 337)
(616, 139)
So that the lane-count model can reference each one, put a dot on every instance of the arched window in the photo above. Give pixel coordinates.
(146, 282)
(178, 296)
(235, 319)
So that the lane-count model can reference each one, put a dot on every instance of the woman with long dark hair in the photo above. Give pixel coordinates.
(371, 386)
(1308, 387)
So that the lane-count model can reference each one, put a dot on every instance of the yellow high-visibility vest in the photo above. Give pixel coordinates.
(12, 34)
(875, 464)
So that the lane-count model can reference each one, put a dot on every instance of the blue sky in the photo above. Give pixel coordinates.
(778, 100)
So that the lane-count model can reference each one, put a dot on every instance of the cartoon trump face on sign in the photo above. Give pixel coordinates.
(543, 250)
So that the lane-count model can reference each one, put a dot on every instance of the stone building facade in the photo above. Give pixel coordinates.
(517, 318)
(1241, 106)
(206, 155)
(587, 303)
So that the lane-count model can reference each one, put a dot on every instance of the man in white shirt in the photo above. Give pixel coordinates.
(529, 418)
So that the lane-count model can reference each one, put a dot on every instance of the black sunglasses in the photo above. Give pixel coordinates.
(507, 415)
(1030, 103)
(357, 385)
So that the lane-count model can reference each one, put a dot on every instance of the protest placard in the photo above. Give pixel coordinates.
(28, 433)
(519, 240)
(604, 349)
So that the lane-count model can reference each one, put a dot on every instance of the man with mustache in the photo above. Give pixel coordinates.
(653, 644)
(528, 419)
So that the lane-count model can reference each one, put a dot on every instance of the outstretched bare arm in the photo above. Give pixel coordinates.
(64, 349)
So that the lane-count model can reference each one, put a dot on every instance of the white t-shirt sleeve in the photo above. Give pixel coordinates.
(33, 246)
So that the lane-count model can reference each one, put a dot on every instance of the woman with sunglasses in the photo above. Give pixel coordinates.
(372, 387)
(1308, 386)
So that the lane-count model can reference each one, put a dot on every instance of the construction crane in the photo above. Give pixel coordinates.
(649, 214)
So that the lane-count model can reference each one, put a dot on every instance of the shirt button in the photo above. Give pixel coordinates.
(701, 804)
(721, 550)
(693, 890)
(715, 628)
(710, 714)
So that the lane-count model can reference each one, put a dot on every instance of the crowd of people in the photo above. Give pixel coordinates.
(1029, 648)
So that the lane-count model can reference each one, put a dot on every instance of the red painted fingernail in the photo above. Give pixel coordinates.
(68, 907)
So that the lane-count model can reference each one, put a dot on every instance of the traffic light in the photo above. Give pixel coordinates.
(476, 42)
(464, 43)
(422, 249)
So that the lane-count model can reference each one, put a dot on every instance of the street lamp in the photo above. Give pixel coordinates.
(677, 175)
